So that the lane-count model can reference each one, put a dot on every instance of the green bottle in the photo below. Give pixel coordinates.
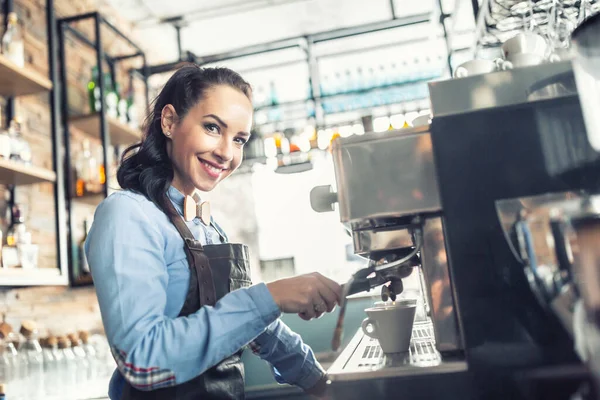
(94, 92)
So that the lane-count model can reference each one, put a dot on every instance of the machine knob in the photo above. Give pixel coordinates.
(322, 198)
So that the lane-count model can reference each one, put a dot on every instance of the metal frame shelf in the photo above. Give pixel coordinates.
(15, 81)
(306, 43)
(97, 124)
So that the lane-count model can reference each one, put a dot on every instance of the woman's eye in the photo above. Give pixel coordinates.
(241, 140)
(212, 128)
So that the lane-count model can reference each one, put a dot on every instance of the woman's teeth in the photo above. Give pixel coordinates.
(211, 167)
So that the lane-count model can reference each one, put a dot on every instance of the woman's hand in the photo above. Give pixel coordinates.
(308, 295)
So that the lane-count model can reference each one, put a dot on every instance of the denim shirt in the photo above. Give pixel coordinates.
(141, 276)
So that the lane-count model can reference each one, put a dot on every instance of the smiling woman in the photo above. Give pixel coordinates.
(177, 300)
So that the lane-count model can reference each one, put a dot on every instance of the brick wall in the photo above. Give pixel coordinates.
(58, 309)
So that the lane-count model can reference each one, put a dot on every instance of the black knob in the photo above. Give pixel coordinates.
(322, 198)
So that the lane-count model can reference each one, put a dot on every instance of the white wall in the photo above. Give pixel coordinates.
(289, 227)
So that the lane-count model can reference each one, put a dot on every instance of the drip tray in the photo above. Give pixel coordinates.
(363, 358)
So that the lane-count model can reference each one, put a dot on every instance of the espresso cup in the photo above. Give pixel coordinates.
(474, 67)
(478, 67)
(525, 43)
(391, 325)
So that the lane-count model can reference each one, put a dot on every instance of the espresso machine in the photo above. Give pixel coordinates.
(456, 202)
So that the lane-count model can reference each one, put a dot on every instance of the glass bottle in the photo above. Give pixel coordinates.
(4, 139)
(90, 353)
(132, 116)
(20, 150)
(31, 353)
(121, 105)
(13, 46)
(83, 365)
(112, 98)
(94, 92)
(9, 360)
(87, 163)
(100, 176)
(68, 366)
(16, 228)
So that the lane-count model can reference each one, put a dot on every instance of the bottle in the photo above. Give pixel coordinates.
(68, 366)
(31, 353)
(273, 94)
(83, 365)
(16, 228)
(20, 150)
(13, 46)
(9, 357)
(90, 353)
(112, 98)
(122, 106)
(87, 181)
(4, 139)
(94, 92)
(49, 345)
(100, 177)
(80, 171)
(83, 264)
(132, 115)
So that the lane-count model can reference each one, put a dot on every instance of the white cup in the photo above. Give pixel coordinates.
(525, 43)
(474, 67)
(391, 325)
(477, 67)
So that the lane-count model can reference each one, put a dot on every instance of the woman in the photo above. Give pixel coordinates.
(176, 299)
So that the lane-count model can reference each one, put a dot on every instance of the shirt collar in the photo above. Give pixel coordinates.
(176, 198)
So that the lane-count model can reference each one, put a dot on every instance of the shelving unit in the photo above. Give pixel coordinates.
(14, 173)
(16, 81)
(31, 277)
(98, 125)
(120, 134)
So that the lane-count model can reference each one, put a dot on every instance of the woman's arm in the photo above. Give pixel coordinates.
(125, 250)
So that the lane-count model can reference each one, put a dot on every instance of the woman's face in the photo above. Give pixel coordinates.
(206, 146)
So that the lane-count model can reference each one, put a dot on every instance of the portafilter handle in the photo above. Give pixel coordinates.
(322, 198)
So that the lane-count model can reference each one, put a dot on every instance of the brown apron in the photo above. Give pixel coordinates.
(215, 270)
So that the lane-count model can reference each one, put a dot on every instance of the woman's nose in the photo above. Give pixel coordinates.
(224, 150)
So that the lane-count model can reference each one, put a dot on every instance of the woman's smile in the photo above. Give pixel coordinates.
(213, 170)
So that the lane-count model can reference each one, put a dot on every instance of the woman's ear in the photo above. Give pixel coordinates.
(168, 119)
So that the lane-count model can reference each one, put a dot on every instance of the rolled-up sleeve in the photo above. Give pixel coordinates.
(292, 361)
(126, 254)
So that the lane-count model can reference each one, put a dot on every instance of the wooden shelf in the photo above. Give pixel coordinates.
(15, 173)
(17, 81)
(119, 133)
(32, 277)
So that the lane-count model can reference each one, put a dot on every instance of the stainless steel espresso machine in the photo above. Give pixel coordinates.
(450, 202)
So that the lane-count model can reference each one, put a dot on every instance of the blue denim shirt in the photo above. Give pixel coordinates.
(141, 276)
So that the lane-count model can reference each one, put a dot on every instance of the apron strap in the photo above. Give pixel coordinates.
(198, 261)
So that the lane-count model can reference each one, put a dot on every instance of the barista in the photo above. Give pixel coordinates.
(176, 297)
